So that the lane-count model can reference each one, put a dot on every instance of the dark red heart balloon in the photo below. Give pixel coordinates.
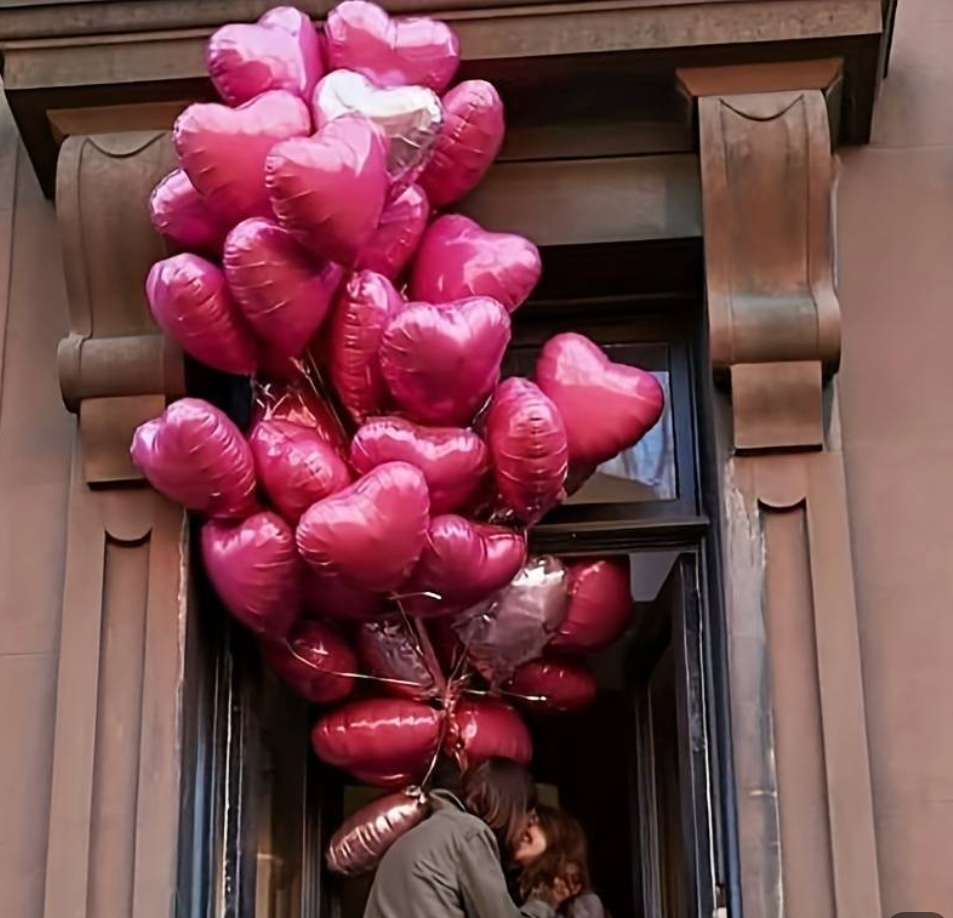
(314, 660)
(391, 652)
(332, 598)
(600, 605)
(483, 729)
(555, 684)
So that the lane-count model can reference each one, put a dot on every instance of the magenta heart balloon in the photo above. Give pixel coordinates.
(514, 626)
(283, 292)
(457, 258)
(371, 533)
(223, 150)
(255, 570)
(392, 52)
(398, 234)
(454, 460)
(527, 442)
(194, 455)
(607, 407)
(442, 362)
(482, 729)
(469, 141)
(191, 303)
(327, 596)
(554, 684)
(462, 563)
(179, 213)
(363, 312)
(297, 402)
(600, 605)
(314, 660)
(280, 51)
(408, 116)
(391, 652)
(296, 467)
(379, 736)
(329, 190)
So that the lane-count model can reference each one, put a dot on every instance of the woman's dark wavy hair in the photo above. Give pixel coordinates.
(567, 850)
(503, 795)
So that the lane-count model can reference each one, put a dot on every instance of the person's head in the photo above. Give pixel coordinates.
(503, 795)
(565, 855)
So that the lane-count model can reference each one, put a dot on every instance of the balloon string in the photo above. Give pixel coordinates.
(348, 675)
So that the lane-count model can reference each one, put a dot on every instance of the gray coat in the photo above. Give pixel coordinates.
(447, 867)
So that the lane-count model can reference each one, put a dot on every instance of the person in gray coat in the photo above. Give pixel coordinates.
(451, 865)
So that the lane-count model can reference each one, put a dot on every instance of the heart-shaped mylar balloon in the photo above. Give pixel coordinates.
(194, 455)
(314, 660)
(408, 116)
(280, 51)
(371, 533)
(283, 292)
(457, 258)
(554, 684)
(607, 407)
(327, 596)
(527, 442)
(392, 52)
(179, 214)
(442, 362)
(191, 303)
(295, 467)
(329, 189)
(384, 738)
(297, 402)
(363, 312)
(255, 570)
(223, 150)
(398, 234)
(469, 140)
(483, 729)
(462, 563)
(514, 626)
(600, 605)
(391, 653)
(454, 460)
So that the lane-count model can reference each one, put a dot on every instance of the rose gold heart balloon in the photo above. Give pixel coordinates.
(454, 460)
(314, 660)
(469, 140)
(330, 597)
(600, 605)
(193, 454)
(607, 407)
(457, 258)
(363, 312)
(392, 52)
(371, 533)
(391, 652)
(398, 234)
(329, 190)
(408, 116)
(555, 684)
(255, 570)
(179, 213)
(223, 150)
(483, 729)
(280, 51)
(442, 362)
(191, 303)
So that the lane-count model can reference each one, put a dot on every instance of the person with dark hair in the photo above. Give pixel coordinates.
(451, 865)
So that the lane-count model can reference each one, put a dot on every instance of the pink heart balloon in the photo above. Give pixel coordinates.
(329, 597)
(255, 570)
(392, 52)
(296, 467)
(487, 729)
(193, 454)
(371, 533)
(442, 362)
(363, 312)
(179, 213)
(223, 150)
(191, 303)
(607, 407)
(527, 442)
(379, 737)
(457, 258)
(391, 652)
(297, 402)
(463, 563)
(398, 234)
(600, 605)
(283, 292)
(469, 141)
(314, 660)
(454, 460)
(555, 684)
(329, 190)
(280, 51)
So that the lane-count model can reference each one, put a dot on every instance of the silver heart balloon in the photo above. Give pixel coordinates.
(410, 116)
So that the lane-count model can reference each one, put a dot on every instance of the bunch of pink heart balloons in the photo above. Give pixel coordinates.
(370, 528)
